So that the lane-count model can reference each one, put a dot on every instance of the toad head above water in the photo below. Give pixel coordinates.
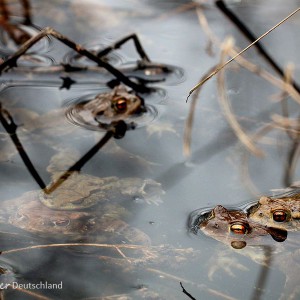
(234, 227)
(114, 105)
(279, 212)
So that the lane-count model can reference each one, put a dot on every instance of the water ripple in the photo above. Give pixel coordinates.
(84, 118)
(8, 46)
(75, 59)
(154, 73)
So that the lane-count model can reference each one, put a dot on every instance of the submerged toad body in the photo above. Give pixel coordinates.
(104, 225)
(80, 206)
(82, 191)
(55, 215)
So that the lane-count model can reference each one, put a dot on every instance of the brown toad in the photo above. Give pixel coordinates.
(278, 211)
(233, 227)
(102, 225)
(82, 191)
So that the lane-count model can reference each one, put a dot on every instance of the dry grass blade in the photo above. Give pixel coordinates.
(284, 85)
(220, 67)
(281, 84)
(178, 10)
(224, 102)
(117, 247)
(187, 136)
(287, 124)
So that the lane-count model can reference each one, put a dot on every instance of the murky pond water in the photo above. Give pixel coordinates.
(137, 245)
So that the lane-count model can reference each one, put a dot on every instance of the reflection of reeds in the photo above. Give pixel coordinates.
(284, 123)
(225, 104)
(234, 52)
(187, 136)
(286, 85)
(264, 273)
(220, 67)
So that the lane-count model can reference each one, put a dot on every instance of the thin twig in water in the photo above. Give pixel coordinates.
(284, 85)
(186, 293)
(281, 84)
(200, 286)
(241, 52)
(11, 127)
(251, 37)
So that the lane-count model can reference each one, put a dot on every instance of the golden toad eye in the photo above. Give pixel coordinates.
(238, 228)
(280, 215)
(120, 105)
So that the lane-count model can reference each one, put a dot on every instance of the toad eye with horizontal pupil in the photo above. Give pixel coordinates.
(62, 223)
(280, 215)
(120, 105)
(238, 229)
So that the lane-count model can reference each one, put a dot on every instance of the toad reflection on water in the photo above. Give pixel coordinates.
(233, 227)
